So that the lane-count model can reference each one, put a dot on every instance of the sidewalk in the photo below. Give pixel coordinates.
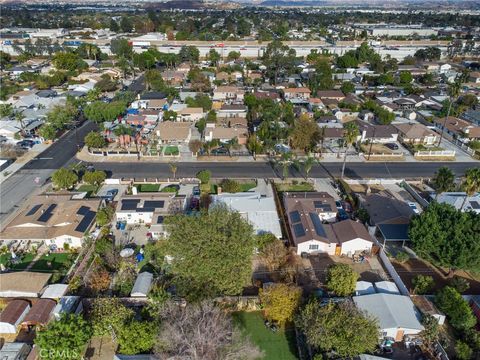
(22, 160)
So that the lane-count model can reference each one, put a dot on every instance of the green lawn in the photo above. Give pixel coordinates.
(148, 187)
(89, 189)
(171, 150)
(247, 186)
(304, 186)
(275, 345)
(53, 262)
(22, 265)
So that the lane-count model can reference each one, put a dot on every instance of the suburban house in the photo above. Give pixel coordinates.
(388, 216)
(225, 134)
(174, 78)
(233, 110)
(149, 208)
(460, 201)
(416, 134)
(233, 122)
(230, 93)
(330, 95)
(345, 115)
(57, 220)
(458, 128)
(192, 114)
(396, 314)
(323, 203)
(170, 132)
(259, 210)
(296, 94)
(25, 284)
(311, 234)
(376, 133)
(12, 316)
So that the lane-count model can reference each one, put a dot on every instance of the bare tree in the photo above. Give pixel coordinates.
(201, 331)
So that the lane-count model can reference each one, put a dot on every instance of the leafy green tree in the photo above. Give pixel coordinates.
(68, 61)
(349, 137)
(422, 284)
(64, 179)
(405, 77)
(233, 55)
(463, 351)
(48, 131)
(340, 329)
(447, 237)
(68, 335)
(347, 87)
(211, 252)
(204, 176)
(121, 48)
(189, 53)
(459, 283)
(230, 186)
(104, 215)
(322, 78)
(280, 302)
(94, 177)
(213, 56)
(341, 279)
(99, 111)
(136, 337)
(305, 134)
(458, 312)
(126, 24)
(443, 181)
(431, 330)
(278, 58)
(200, 100)
(95, 140)
(109, 316)
(6, 110)
(348, 60)
(106, 84)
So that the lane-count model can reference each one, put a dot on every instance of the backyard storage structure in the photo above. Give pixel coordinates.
(387, 287)
(396, 314)
(13, 315)
(40, 313)
(142, 285)
(364, 288)
(22, 284)
(67, 305)
(54, 291)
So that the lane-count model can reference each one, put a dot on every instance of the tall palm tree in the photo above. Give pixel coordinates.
(173, 169)
(19, 118)
(350, 135)
(307, 165)
(285, 162)
(471, 185)
(453, 93)
(444, 180)
(322, 139)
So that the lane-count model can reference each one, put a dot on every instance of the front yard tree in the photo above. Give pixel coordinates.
(104, 215)
(94, 177)
(443, 181)
(349, 137)
(278, 58)
(109, 315)
(305, 134)
(195, 146)
(447, 237)
(204, 176)
(211, 252)
(338, 328)
(95, 140)
(341, 279)
(68, 335)
(64, 179)
(280, 302)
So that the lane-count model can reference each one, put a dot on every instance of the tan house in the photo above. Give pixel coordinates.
(173, 77)
(297, 93)
(330, 95)
(232, 93)
(458, 128)
(192, 114)
(225, 134)
(170, 132)
(416, 134)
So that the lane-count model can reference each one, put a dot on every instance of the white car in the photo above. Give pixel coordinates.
(414, 208)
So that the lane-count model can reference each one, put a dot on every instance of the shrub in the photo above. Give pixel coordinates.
(230, 186)
(402, 257)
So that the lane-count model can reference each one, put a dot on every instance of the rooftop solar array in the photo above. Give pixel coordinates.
(47, 214)
(34, 209)
(317, 224)
(294, 216)
(130, 204)
(154, 204)
(86, 221)
(160, 219)
(323, 206)
(83, 210)
(299, 230)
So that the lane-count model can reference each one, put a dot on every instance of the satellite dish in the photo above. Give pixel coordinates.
(127, 252)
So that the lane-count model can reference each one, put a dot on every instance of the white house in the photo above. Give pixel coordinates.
(232, 93)
(396, 314)
(260, 211)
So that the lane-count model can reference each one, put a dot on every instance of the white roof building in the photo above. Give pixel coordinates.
(259, 210)
(457, 200)
(142, 285)
(396, 314)
(387, 287)
(364, 288)
(54, 291)
(67, 304)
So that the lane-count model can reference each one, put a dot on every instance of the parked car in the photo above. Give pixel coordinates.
(392, 146)
(338, 204)
(342, 215)
(414, 208)
(196, 191)
(110, 195)
(25, 144)
(220, 151)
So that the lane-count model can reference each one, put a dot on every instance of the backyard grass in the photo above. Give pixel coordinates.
(304, 186)
(89, 189)
(25, 260)
(53, 262)
(171, 150)
(278, 345)
(148, 187)
(247, 186)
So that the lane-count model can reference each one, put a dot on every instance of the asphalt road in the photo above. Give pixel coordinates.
(30, 178)
(264, 170)
(137, 85)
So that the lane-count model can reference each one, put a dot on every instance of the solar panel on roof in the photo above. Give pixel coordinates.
(47, 214)
(299, 230)
(321, 205)
(160, 219)
(294, 217)
(34, 209)
(86, 221)
(83, 210)
(317, 224)
(129, 204)
(154, 204)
